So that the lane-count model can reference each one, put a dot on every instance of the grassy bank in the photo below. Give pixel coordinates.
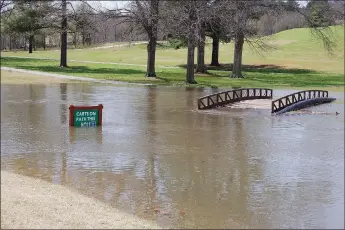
(256, 76)
(299, 60)
(12, 77)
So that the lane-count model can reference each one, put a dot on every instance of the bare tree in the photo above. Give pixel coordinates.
(84, 20)
(242, 14)
(319, 27)
(29, 18)
(192, 26)
(5, 7)
(63, 55)
(338, 11)
(146, 15)
(200, 67)
(203, 16)
(218, 27)
(184, 20)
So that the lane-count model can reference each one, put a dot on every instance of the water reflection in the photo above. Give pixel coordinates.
(85, 135)
(158, 157)
(63, 106)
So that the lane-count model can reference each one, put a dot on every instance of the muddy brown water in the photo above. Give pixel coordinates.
(157, 157)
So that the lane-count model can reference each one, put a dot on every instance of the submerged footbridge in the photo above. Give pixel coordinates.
(291, 102)
(300, 100)
(232, 96)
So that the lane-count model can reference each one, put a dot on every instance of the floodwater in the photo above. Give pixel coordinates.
(157, 157)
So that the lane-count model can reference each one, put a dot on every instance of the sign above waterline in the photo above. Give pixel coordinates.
(85, 116)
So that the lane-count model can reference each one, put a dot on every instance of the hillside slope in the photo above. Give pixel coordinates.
(298, 48)
(295, 48)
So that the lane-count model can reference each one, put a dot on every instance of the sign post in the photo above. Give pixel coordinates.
(85, 116)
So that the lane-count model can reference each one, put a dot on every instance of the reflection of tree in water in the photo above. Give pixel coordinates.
(211, 178)
(196, 165)
(241, 152)
(81, 91)
(151, 111)
(36, 119)
(63, 178)
(63, 120)
(36, 109)
(191, 94)
(123, 189)
(63, 105)
(23, 116)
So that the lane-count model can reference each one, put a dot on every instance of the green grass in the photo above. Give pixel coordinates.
(299, 61)
(256, 76)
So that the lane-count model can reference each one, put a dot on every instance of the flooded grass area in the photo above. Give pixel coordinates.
(13, 77)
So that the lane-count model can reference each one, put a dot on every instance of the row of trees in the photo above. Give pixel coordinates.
(224, 20)
(188, 20)
(31, 17)
(85, 26)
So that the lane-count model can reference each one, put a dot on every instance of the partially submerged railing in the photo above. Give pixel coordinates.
(311, 97)
(232, 96)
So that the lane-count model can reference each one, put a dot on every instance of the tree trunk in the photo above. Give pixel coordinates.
(200, 68)
(83, 38)
(63, 55)
(24, 43)
(75, 39)
(190, 62)
(31, 41)
(237, 66)
(89, 39)
(152, 35)
(192, 20)
(44, 41)
(215, 51)
(115, 33)
(10, 43)
(151, 56)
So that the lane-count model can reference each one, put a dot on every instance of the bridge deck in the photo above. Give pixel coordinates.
(232, 96)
